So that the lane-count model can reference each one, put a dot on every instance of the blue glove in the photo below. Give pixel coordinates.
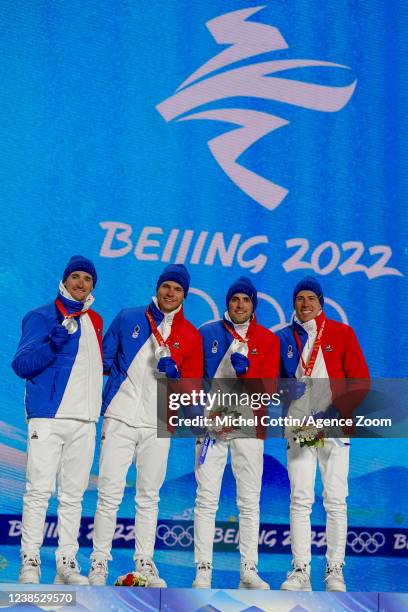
(292, 389)
(168, 366)
(59, 336)
(192, 411)
(240, 363)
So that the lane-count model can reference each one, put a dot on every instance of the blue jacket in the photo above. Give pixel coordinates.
(263, 356)
(67, 384)
(130, 395)
(340, 350)
(263, 351)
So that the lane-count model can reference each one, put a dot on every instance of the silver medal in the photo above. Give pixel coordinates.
(70, 325)
(162, 351)
(240, 347)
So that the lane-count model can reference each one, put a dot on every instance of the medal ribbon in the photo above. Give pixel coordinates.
(65, 313)
(155, 331)
(234, 333)
(207, 442)
(308, 368)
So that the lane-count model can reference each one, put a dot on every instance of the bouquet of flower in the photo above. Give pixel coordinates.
(132, 579)
(219, 430)
(308, 436)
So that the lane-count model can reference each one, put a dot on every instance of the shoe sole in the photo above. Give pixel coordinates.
(336, 590)
(160, 585)
(59, 580)
(97, 581)
(308, 589)
(244, 585)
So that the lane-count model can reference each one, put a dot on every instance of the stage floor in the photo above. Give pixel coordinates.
(368, 574)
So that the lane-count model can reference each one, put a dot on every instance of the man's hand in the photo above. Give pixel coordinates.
(240, 363)
(292, 389)
(168, 366)
(58, 337)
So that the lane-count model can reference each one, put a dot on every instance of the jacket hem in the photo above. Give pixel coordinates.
(135, 425)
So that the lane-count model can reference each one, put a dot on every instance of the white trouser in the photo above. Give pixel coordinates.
(333, 461)
(122, 444)
(62, 448)
(247, 467)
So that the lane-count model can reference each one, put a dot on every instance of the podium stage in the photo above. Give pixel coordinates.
(127, 599)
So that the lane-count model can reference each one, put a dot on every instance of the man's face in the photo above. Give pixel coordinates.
(307, 306)
(169, 296)
(240, 308)
(79, 284)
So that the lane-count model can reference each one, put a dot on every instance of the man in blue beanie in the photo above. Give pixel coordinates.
(139, 343)
(234, 347)
(59, 355)
(314, 346)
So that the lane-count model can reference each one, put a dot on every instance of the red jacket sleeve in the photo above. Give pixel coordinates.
(193, 361)
(263, 377)
(350, 392)
(190, 367)
(270, 366)
(354, 363)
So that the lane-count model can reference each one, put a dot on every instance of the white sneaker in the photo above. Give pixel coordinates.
(249, 578)
(146, 566)
(98, 573)
(203, 576)
(30, 570)
(298, 579)
(334, 578)
(69, 572)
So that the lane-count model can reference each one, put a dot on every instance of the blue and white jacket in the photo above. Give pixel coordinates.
(262, 351)
(130, 395)
(339, 361)
(68, 384)
(219, 344)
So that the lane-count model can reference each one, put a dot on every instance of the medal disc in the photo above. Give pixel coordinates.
(70, 325)
(162, 351)
(240, 347)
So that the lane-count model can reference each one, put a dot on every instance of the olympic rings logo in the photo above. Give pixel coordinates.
(275, 325)
(171, 536)
(364, 541)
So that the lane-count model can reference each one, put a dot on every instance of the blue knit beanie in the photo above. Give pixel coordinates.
(78, 263)
(243, 285)
(177, 273)
(309, 284)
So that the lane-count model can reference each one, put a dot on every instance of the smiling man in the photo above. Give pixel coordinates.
(141, 344)
(314, 346)
(59, 355)
(236, 346)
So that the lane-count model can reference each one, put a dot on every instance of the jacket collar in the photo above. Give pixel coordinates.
(172, 317)
(70, 303)
(309, 326)
(243, 329)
